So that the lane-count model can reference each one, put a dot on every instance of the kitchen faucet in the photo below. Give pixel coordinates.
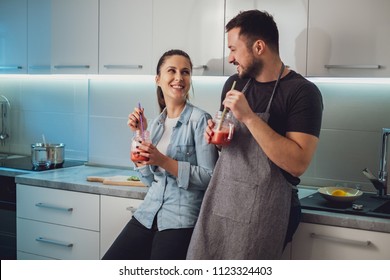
(380, 183)
(4, 112)
(383, 162)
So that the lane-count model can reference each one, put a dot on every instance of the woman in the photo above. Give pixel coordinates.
(178, 171)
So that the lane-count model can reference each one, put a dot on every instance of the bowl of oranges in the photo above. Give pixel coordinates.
(340, 194)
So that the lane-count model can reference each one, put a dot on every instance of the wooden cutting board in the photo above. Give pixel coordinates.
(116, 181)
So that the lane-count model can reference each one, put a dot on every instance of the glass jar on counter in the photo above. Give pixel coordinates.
(223, 131)
(134, 150)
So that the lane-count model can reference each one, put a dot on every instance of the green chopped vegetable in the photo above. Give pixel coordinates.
(133, 178)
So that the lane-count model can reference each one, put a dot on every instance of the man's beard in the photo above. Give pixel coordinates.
(253, 70)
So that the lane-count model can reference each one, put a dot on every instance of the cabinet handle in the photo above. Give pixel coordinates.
(11, 67)
(117, 66)
(351, 66)
(197, 67)
(54, 242)
(131, 209)
(39, 67)
(71, 66)
(54, 207)
(340, 240)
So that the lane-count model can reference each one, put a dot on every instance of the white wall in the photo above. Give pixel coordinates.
(57, 108)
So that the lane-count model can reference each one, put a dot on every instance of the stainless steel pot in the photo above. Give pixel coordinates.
(47, 155)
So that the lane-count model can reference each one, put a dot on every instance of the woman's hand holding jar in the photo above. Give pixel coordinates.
(137, 154)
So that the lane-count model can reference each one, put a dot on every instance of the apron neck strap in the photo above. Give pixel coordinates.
(276, 85)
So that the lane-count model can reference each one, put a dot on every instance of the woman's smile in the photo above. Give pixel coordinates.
(175, 78)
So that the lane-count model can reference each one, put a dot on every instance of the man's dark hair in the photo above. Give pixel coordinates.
(255, 25)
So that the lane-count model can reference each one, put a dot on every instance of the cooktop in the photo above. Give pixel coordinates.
(24, 163)
(366, 205)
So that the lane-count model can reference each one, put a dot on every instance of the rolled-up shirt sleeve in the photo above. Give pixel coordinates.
(198, 176)
(146, 175)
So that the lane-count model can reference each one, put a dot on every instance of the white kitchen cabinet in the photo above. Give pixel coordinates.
(323, 242)
(39, 36)
(63, 36)
(115, 213)
(28, 256)
(56, 241)
(196, 27)
(57, 224)
(75, 36)
(125, 37)
(349, 38)
(291, 19)
(13, 36)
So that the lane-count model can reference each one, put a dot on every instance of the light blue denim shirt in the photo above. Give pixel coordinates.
(176, 200)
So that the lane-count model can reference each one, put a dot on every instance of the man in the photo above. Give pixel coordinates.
(251, 208)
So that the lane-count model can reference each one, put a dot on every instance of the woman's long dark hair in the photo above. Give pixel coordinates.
(163, 58)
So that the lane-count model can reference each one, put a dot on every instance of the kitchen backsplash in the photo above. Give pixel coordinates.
(111, 101)
(89, 115)
(56, 108)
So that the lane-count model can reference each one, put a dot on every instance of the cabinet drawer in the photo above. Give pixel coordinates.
(322, 242)
(61, 207)
(122, 209)
(28, 256)
(55, 241)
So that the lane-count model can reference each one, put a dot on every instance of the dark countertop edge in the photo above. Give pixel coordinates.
(91, 188)
(345, 220)
(75, 179)
(10, 172)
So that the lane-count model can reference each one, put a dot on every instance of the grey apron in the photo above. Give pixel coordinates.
(245, 211)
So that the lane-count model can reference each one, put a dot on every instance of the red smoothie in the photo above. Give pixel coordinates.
(137, 157)
(220, 137)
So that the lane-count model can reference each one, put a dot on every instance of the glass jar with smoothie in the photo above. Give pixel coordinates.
(135, 151)
(223, 132)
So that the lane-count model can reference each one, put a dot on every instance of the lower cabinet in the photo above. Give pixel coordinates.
(322, 242)
(60, 224)
(115, 212)
(56, 241)
(68, 225)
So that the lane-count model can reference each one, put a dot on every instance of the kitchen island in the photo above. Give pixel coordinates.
(108, 198)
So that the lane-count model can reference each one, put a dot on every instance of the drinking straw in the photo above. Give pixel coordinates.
(225, 110)
(142, 126)
(44, 140)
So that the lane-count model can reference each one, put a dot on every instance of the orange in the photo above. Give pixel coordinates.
(339, 193)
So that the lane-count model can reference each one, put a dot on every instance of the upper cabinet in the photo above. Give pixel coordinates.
(63, 36)
(125, 36)
(13, 36)
(196, 27)
(75, 36)
(349, 38)
(346, 38)
(291, 19)
(39, 36)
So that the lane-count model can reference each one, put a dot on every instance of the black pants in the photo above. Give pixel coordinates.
(295, 217)
(137, 242)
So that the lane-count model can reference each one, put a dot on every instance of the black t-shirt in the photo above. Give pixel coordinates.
(296, 107)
